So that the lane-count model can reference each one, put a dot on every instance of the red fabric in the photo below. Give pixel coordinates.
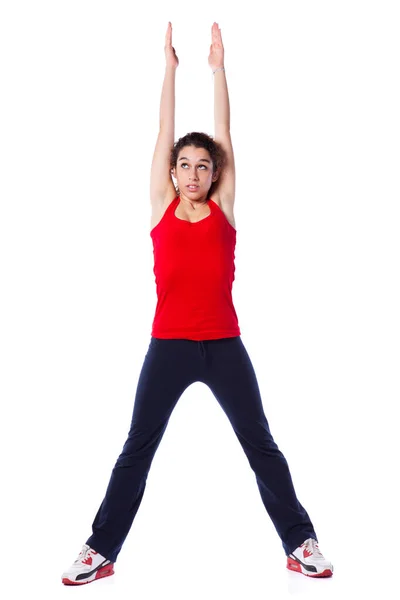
(194, 270)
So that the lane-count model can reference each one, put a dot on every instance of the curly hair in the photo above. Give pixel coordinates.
(200, 140)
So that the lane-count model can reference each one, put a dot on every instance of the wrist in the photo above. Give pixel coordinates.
(221, 68)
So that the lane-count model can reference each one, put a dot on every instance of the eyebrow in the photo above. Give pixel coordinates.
(185, 158)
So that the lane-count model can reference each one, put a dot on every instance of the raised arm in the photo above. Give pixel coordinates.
(161, 179)
(226, 182)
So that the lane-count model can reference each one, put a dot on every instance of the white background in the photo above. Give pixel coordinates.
(314, 97)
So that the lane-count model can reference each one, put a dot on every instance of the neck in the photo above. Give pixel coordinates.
(194, 204)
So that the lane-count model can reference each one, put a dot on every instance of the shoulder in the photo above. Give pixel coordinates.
(158, 209)
(226, 207)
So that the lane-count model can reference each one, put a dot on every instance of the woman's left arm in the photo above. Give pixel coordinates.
(226, 181)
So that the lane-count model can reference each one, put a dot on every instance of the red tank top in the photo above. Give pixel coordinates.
(194, 270)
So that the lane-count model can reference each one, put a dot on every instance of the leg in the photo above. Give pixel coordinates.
(232, 380)
(167, 371)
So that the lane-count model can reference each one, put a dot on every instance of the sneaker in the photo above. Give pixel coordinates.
(307, 559)
(89, 565)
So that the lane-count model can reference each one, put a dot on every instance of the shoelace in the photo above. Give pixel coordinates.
(312, 546)
(83, 553)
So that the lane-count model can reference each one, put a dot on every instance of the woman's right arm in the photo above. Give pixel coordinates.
(161, 178)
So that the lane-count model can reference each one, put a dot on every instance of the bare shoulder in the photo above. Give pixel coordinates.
(158, 207)
(225, 206)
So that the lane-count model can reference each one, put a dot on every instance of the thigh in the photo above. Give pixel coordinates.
(168, 369)
(231, 377)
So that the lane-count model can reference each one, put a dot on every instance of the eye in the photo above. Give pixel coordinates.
(182, 164)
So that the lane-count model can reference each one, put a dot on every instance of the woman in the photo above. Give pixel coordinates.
(195, 336)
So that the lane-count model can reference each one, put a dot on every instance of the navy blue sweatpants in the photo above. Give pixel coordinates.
(169, 367)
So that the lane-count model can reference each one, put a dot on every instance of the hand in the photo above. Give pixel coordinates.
(170, 56)
(216, 57)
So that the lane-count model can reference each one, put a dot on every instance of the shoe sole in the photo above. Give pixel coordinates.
(293, 565)
(103, 572)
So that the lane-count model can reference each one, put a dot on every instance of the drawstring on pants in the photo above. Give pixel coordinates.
(202, 350)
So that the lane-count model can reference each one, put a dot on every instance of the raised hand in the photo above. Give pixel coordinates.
(170, 55)
(216, 57)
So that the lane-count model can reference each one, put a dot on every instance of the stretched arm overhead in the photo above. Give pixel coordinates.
(161, 179)
(226, 182)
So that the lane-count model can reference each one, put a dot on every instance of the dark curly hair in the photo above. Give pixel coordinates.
(200, 140)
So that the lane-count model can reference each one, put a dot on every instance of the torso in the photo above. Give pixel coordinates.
(181, 213)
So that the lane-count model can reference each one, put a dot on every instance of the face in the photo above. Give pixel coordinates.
(194, 166)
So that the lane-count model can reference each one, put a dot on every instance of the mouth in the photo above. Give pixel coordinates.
(192, 188)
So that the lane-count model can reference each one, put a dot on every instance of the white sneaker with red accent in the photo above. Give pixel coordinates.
(89, 566)
(307, 559)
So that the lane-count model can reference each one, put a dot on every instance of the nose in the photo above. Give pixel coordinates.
(194, 175)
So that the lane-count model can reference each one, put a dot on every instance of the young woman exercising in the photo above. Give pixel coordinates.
(195, 336)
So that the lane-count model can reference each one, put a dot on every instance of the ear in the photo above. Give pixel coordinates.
(216, 175)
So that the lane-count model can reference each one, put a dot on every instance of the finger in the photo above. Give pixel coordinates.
(168, 35)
